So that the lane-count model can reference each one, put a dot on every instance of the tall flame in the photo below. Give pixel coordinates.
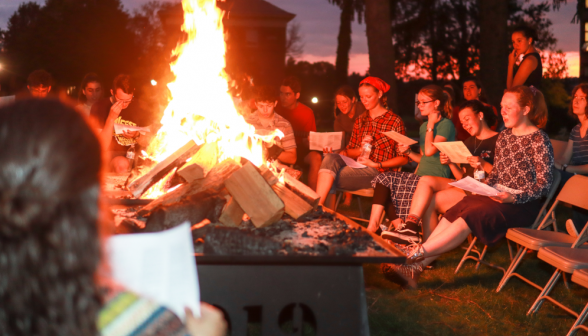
(201, 108)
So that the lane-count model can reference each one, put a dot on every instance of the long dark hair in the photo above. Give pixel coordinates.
(477, 106)
(50, 168)
(88, 78)
(482, 96)
(345, 91)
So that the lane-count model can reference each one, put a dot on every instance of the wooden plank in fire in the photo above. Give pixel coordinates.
(302, 190)
(178, 158)
(295, 206)
(255, 196)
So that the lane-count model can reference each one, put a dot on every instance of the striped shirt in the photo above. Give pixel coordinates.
(580, 147)
(280, 123)
(127, 314)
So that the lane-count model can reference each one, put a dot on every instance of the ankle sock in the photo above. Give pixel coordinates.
(412, 218)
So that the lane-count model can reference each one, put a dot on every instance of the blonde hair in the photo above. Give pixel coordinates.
(435, 92)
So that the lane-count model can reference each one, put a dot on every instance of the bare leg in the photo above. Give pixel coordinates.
(347, 199)
(440, 203)
(330, 201)
(324, 184)
(375, 216)
(426, 189)
(445, 238)
(314, 160)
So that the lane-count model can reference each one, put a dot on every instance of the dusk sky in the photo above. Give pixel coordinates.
(319, 21)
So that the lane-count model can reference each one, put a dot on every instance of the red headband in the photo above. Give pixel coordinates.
(377, 83)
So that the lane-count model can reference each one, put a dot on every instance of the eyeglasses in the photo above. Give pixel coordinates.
(417, 103)
(580, 98)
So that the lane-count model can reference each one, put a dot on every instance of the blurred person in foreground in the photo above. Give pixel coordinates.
(39, 83)
(51, 234)
(89, 94)
(120, 108)
(301, 117)
(266, 121)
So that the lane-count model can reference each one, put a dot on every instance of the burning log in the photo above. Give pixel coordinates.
(302, 190)
(232, 213)
(294, 205)
(214, 181)
(255, 196)
(193, 209)
(179, 157)
(200, 163)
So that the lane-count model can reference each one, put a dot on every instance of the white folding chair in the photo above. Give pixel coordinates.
(480, 258)
(581, 278)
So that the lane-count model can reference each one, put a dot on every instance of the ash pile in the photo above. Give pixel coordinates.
(236, 208)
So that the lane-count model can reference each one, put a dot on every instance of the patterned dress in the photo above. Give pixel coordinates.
(522, 163)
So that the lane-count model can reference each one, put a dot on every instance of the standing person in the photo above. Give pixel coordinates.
(524, 162)
(347, 109)
(90, 93)
(394, 190)
(266, 121)
(368, 127)
(575, 157)
(121, 109)
(530, 71)
(301, 117)
(52, 232)
(39, 83)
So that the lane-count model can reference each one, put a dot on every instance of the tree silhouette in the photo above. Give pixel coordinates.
(350, 9)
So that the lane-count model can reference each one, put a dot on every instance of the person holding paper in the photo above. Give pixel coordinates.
(395, 189)
(575, 157)
(524, 162)
(52, 230)
(472, 90)
(266, 121)
(369, 127)
(433, 194)
(347, 109)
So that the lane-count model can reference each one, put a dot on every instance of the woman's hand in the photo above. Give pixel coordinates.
(343, 152)
(367, 162)
(433, 119)
(444, 159)
(474, 161)
(328, 150)
(210, 323)
(402, 148)
(503, 197)
(367, 138)
(512, 57)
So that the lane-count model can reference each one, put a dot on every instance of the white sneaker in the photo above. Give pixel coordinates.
(571, 228)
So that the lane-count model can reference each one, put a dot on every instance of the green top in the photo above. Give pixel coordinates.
(430, 165)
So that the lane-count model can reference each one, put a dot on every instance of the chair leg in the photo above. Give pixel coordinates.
(465, 256)
(509, 249)
(579, 322)
(513, 265)
(360, 208)
(481, 256)
(545, 292)
(338, 200)
(565, 280)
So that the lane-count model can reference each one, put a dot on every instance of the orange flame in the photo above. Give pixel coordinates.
(201, 108)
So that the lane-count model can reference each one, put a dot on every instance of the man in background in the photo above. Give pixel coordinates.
(89, 94)
(39, 83)
(301, 117)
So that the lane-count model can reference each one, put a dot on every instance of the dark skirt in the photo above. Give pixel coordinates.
(489, 220)
(402, 187)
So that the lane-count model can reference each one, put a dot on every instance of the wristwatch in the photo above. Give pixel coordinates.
(429, 130)
(564, 167)
(380, 165)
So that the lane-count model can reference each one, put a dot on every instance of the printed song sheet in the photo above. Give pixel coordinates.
(159, 266)
(351, 163)
(320, 140)
(472, 185)
(456, 150)
(403, 139)
(119, 128)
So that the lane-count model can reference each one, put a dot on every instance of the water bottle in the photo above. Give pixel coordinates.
(131, 155)
(366, 149)
(479, 173)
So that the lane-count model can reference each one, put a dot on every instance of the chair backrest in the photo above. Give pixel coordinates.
(574, 192)
(559, 148)
(543, 214)
(582, 237)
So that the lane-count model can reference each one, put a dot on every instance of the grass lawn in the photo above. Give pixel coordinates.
(467, 303)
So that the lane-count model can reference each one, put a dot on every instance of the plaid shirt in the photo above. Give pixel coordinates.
(383, 148)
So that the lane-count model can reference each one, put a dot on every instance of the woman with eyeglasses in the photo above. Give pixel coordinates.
(393, 191)
(575, 157)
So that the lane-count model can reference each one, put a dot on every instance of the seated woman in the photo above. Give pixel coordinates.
(524, 163)
(335, 173)
(433, 194)
(50, 237)
(394, 190)
(473, 90)
(575, 157)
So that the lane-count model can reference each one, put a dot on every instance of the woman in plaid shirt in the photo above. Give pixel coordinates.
(335, 173)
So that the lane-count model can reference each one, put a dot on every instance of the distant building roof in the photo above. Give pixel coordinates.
(258, 9)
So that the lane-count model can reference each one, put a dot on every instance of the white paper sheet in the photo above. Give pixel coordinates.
(403, 139)
(119, 128)
(320, 140)
(472, 185)
(159, 266)
(351, 163)
(456, 150)
(6, 100)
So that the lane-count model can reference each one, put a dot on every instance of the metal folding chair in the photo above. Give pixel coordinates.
(369, 192)
(581, 278)
(565, 260)
(542, 213)
(573, 193)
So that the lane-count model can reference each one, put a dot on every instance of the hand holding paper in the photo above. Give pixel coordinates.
(319, 141)
(400, 138)
(455, 150)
